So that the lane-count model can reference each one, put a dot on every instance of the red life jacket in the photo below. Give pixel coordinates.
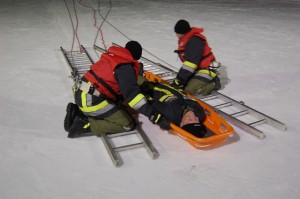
(207, 55)
(105, 69)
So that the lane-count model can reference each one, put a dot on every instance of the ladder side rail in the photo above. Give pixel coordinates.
(99, 49)
(148, 144)
(241, 124)
(117, 161)
(75, 74)
(88, 55)
(271, 121)
(67, 59)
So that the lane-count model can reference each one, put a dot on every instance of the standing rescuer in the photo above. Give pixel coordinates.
(197, 74)
(110, 82)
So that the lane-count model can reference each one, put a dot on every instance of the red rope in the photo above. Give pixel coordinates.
(95, 22)
(76, 29)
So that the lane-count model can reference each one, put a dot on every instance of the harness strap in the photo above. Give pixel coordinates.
(88, 88)
(118, 98)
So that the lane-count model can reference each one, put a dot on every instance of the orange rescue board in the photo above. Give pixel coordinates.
(214, 123)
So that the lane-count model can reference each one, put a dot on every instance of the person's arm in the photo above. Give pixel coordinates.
(126, 77)
(192, 56)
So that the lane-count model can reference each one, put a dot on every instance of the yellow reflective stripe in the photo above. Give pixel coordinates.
(190, 64)
(208, 72)
(163, 98)
(170, 87)
(83, 99)
(94, 108)
(149, 98)
(89, 109)
(162, 90)
(87, 125)
(176, 82)
(157, 118)
(167, 93)
(136, 100)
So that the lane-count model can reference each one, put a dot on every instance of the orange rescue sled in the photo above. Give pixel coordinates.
(218, 129)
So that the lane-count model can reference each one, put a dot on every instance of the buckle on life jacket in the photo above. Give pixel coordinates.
(91, 90)
(88, 88)
(214, 65)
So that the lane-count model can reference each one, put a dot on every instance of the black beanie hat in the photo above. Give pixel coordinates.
(135, 49)
(195, 129)
(182, 27)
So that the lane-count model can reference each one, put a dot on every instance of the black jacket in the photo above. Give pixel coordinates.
(175, 105)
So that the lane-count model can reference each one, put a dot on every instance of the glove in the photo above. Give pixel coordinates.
(157, 118)
(147, 88)
(177, 84)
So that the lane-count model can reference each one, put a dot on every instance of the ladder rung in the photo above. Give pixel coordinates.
(130, 146)
(82, 67)
(153, 69)
(81, 62)
(74, 57)
(223, 105)
(159, 73)
(112, 135)
(210, 97)
(259, 122)
(240, 113)
(82, 70)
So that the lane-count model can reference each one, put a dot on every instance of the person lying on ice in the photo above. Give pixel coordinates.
(174, 106)
(197, 74)
(110, 82)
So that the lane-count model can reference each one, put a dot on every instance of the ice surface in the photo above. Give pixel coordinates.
(257, 41)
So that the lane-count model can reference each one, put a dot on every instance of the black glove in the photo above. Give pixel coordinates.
(157, 118)
(177, 84)
(147, 88)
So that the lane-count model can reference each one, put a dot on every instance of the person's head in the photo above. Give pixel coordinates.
(190, 123)
(181, 28)
(135, 49)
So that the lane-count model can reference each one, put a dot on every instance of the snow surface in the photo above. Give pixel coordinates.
(257, 41)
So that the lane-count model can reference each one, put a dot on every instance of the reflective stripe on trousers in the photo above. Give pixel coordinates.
(207, 74)
(85, 102)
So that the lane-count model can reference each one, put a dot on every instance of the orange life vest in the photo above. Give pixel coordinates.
(105, 68)
(207, 55)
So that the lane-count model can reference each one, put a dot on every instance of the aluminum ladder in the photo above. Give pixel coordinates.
(241, 115)
(79, 63)
(235, 112)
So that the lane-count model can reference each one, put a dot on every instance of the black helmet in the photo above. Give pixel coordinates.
(135, 49)
(182, 27)
(196, 129)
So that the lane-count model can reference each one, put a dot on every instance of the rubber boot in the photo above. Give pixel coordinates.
(72, 111)
(80, 127)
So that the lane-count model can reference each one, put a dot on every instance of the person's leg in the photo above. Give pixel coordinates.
(117, 122)
(196, 87)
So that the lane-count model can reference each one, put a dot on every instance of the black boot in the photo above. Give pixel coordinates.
(72, 111)
(79, 127)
